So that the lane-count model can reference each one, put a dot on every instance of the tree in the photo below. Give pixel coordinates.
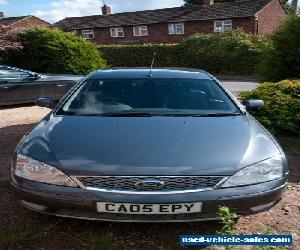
(294, 9)
(291, 7)
(54, 51)
(281, 60)
(294, 4)
(7, 40)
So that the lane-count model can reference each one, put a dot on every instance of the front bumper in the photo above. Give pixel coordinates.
(81, 203)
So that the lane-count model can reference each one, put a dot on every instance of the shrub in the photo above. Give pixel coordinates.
(281, 60)
(139, 55)
(234, 52)
(228, 218)
(231, 53)
(7, 41)
(281, 113)
(54, 51)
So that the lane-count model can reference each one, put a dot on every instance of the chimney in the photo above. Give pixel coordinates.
(208, 2)
(1, 14)
(106, 10)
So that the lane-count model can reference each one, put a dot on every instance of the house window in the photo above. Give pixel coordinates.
(88, 34)
(221, 26)
(176, 28)
(117, 32)
(140, 31)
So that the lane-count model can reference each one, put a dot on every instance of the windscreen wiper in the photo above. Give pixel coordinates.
(150, 114)
(123, 114)
(216, 114)
(179, 115)
(129, 114)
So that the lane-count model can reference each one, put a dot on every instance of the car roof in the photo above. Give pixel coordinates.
(184, 73)
(15, 68)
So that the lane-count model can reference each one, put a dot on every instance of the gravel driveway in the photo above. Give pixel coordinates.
(21, 115)
(238, 86)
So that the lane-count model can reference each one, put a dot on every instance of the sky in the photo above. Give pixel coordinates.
(55, 10)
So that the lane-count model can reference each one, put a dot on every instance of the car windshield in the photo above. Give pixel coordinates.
(147, 97)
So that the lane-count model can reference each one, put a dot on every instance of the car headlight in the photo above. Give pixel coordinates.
(34, 170)
(267, 170)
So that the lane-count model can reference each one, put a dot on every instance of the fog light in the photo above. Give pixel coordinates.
(34, 206)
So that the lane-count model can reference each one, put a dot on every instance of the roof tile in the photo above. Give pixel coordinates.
(6, 21)
(242, 8)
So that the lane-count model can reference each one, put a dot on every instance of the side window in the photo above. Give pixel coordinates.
(176, 28)
(222, 26)
(88, 34)
(140, 31)
(117, 32)
(12, 74)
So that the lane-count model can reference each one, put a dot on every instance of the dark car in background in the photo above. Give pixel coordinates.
(23, 86)
(141, 145)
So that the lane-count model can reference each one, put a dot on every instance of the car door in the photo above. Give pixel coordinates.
(47, 88)
(53, 87)
(62, 87)
(2, 90)
(19, 86)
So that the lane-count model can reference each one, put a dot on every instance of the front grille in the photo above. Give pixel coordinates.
(167, 183)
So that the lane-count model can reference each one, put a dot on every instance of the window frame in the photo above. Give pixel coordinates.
(14, 74)
(222, 29)
(87, 32)
(175, 27)
(116, 30)
(139, 29)
(58, 111)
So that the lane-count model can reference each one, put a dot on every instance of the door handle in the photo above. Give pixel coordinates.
(61, 85)
(5, 87)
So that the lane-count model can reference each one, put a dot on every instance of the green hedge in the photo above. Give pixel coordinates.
(281, 113)
(233, 53)
(139, 55)
(54, 51)
(281, 60)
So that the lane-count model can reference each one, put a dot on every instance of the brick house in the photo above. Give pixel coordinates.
(22, 22)
(172, 25)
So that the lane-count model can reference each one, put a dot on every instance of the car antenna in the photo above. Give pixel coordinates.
(152, 63)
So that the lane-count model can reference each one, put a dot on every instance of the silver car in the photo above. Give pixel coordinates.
(135, 145)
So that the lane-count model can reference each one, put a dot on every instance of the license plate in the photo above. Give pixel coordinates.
(129, 208)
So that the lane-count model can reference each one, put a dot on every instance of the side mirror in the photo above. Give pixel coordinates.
(34, 76)
(254, 104)
(46, 103)
(37, 76)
